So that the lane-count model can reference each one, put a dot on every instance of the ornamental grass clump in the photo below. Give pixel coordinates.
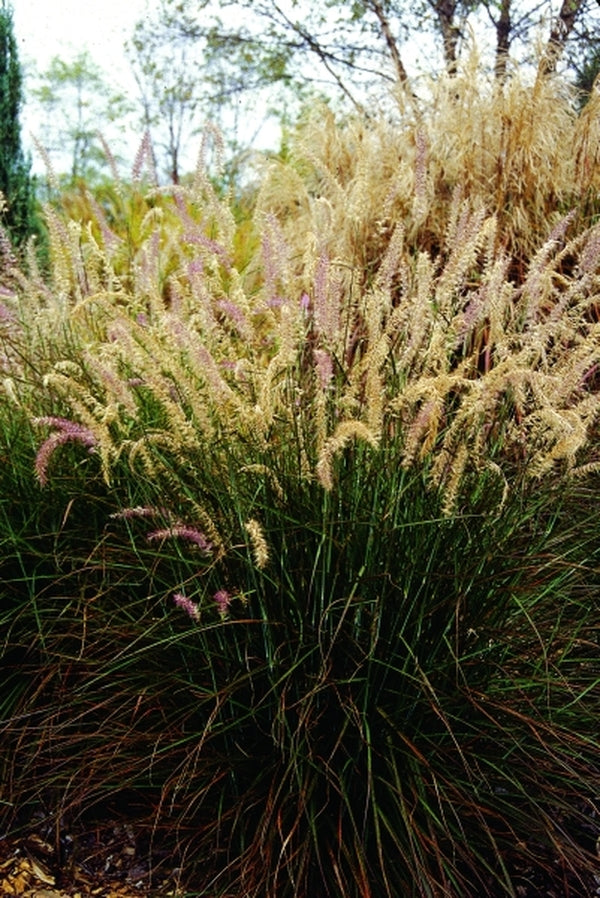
(311, 521)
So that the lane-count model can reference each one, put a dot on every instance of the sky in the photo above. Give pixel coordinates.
(65, 28)
(47, 28)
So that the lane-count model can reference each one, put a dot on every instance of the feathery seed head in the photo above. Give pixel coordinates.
(222, 599)
(179, 531)
(260, 549)
(187, 605)
(66, 431)
(343, 434)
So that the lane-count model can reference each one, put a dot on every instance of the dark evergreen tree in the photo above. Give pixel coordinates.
(19, 215)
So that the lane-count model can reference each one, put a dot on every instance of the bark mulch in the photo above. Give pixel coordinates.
(103, 865)
(108, 863)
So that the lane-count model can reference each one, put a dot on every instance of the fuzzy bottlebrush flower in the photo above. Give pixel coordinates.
(66, 431)
(260, 549)
(139, 511)
(190, 608)
(344, 433)
(181, 532)
(222, 599)
(7, 316)
(236, 315)
(327, 300)
(324, 367)
(420, 203)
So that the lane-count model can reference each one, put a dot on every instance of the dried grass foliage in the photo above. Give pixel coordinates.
(519, 150)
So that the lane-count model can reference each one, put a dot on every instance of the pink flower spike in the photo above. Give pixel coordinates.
(65, 432)
(324, 365)
(190, 608)
(180, 532)
(73, 428)
(140, 511)
(222, 600)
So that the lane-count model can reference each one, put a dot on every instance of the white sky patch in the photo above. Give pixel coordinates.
(47, 28)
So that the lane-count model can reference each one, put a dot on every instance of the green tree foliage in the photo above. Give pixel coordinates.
(76, 94)
(16, 184)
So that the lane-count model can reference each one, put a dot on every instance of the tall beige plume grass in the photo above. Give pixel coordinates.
(431, 280)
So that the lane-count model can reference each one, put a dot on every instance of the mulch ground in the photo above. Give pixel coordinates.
(106, 868)
(106, 863)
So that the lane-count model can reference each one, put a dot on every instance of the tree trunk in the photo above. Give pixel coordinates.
(503, 29)
(561, 30)
(389, 40)
(446, 12)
